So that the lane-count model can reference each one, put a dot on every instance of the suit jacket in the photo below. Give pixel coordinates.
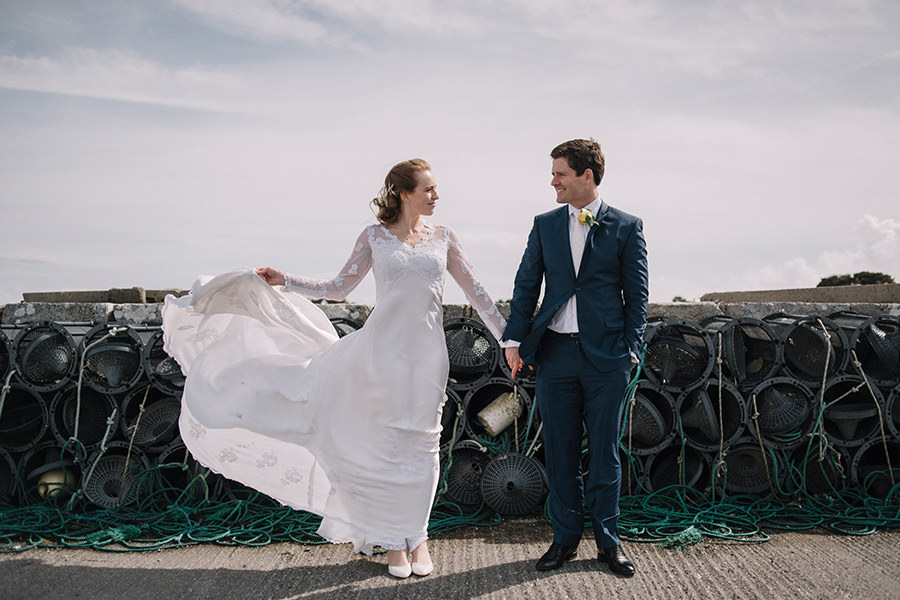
(611, 286)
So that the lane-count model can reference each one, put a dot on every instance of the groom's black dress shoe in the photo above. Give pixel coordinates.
(555, 557)
(617, 561)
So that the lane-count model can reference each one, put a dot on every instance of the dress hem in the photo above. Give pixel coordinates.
(371, 547)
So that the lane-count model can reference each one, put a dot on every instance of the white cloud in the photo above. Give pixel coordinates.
(260, 19)
(118, 75)
(888, 57)
(884, 236)
(737, 131)
(877, 249)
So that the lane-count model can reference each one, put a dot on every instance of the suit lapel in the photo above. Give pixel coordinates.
(589, 238)
(562, 230)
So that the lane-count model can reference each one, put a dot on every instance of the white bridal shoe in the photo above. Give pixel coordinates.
(400, 571)
(403, 571)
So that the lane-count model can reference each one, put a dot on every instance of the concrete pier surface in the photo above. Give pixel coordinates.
(485, 562)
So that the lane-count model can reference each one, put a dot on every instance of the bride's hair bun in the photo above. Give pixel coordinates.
(403, 177)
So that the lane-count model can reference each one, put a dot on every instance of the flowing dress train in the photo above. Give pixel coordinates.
(347, 428)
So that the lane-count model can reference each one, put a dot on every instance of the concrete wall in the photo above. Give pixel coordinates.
(888, 293)
(140, 314)
(137, 305)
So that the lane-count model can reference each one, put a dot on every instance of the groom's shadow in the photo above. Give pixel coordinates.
(363, 577)
(465, 584)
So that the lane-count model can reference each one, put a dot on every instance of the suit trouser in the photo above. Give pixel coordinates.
(571, 391)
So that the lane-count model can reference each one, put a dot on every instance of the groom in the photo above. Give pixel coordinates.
(592, 260)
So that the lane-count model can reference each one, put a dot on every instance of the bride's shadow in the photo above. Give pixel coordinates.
(26, 578)
(471, 561)
(476, 582)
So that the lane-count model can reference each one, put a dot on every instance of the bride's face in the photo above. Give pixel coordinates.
(422, 200)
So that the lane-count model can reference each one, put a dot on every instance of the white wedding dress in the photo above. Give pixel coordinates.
(345, 428)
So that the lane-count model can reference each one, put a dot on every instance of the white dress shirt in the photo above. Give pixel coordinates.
(566, 318)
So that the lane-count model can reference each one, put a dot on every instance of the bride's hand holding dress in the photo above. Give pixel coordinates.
(271, 276)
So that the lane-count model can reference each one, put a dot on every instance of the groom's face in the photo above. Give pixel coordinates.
(570, 188)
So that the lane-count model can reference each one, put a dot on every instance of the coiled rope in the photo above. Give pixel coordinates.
(165, 515)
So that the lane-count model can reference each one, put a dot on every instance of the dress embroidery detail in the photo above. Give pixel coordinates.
(266, 460)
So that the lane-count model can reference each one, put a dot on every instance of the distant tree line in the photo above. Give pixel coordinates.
(861, 278)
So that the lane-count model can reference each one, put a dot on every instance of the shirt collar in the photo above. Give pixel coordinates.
(594, 207)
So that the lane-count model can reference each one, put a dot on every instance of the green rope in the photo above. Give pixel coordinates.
(167, 515)
(164, 515)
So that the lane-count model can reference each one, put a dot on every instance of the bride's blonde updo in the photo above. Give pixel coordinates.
(403, 177)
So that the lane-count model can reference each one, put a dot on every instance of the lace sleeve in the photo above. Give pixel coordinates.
(354, 270)
(464, 275)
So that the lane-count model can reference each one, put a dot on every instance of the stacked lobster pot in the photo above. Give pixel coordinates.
(781, 406)
(86, 409)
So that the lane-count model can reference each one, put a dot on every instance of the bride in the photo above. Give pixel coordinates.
(345, 428)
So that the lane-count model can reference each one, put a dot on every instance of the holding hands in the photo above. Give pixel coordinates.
(514, 360)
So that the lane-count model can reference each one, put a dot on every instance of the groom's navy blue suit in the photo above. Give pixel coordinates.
(582, 379)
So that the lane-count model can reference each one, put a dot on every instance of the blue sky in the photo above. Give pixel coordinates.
(145, 143)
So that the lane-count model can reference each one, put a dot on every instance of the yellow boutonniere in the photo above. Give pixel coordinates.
(586, 217)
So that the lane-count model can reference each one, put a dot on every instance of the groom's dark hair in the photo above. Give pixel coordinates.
(581, 155)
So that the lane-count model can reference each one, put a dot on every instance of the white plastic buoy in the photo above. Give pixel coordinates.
(56, 483)
(500, 414)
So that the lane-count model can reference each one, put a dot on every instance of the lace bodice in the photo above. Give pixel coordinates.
(378, 249)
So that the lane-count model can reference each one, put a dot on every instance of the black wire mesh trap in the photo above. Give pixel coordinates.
(344, 326)
(463, 477)
(750, 349)
(181, 477)
(92, 410)
(813, 475)
(876, 342)
(110, 478)
(677, 465)
(851, 413)
(7, 476)
(784, 411)
(649, 421)
(155, 426)
(162, 370)
(809, 344)
(453, 422)
(111, 354)
(679, 353)
(45, 356)
(892, 413)
(6, 356)
(513, 484)
(472, 350)
(876, 467)
(24, 420)
(708, 420)
(48, 471)
(479, 398)
(749, 470)
(230, 490)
